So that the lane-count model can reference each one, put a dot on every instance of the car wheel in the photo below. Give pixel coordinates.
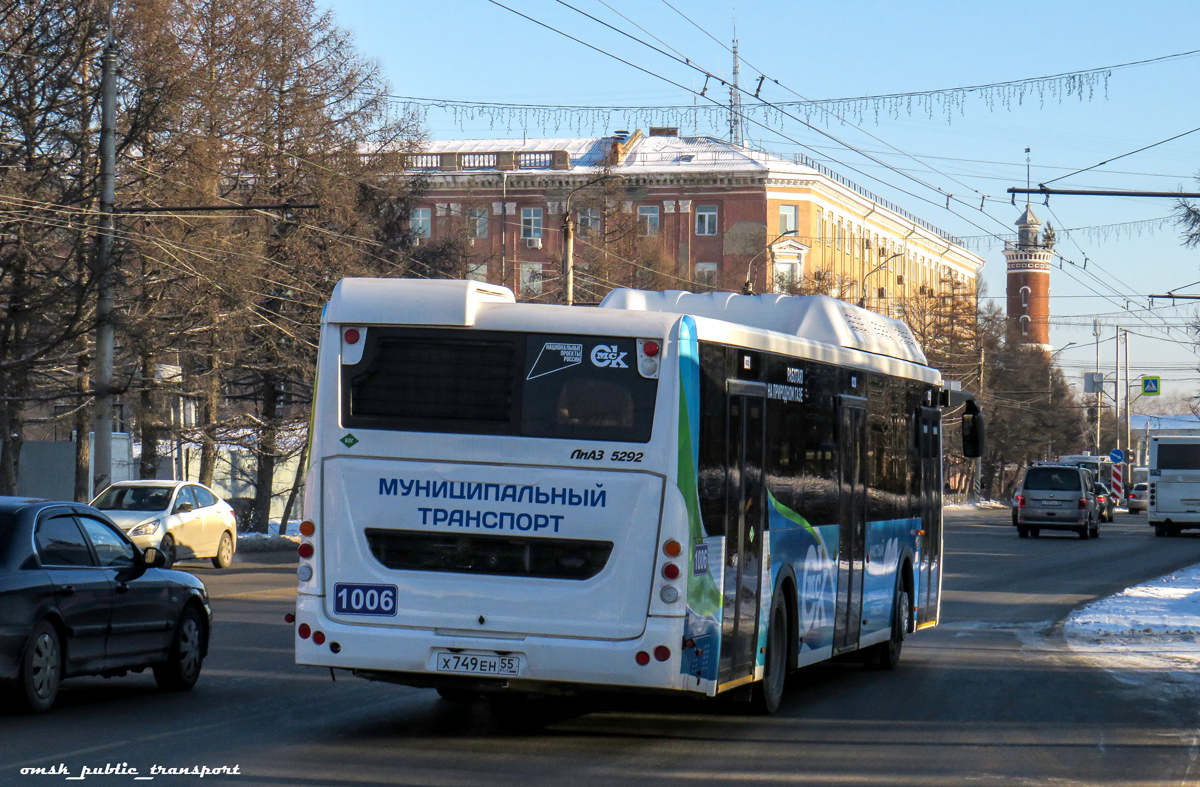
(182, 667)
(768, 692)
(224, 556)
(41, 668)
(1095, 531)
(1035, 531)
(1083, 531)
(167, 547)
(1022, 531)
(889, 652)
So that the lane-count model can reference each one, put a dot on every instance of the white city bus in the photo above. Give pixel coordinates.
(1174, 503)
(672, 491)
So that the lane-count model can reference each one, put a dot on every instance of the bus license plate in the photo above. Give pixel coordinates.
(475, 664)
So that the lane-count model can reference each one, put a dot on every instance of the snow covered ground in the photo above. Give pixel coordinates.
(1147, 635)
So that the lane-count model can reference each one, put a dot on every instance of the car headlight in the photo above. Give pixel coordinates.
(149, 528)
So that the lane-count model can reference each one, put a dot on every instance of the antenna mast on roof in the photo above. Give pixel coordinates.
(735, 96)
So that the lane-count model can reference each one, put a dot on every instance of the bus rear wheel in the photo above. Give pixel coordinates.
(768, 692)
(887, 654)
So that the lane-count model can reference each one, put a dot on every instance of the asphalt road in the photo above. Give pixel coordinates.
(991, 696)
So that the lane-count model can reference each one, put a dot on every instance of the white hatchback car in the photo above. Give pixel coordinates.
(183, 520)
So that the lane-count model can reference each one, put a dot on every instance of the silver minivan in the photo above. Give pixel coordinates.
(1056, 497)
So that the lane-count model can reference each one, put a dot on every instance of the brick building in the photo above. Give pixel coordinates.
(712, 214)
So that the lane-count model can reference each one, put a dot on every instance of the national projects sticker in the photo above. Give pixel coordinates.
(554, 357)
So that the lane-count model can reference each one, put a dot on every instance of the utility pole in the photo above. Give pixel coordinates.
(102, 416)
(1116, 389)
(1100, 390)
(569, 255)
(1128, 415)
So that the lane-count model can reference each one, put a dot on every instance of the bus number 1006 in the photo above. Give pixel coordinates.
(351, 599)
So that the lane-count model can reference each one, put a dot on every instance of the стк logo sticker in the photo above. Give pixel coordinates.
(608, 355)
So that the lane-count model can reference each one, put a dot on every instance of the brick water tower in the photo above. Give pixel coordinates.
(1029, 284)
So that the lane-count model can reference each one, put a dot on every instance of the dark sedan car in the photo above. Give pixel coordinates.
(78, 598)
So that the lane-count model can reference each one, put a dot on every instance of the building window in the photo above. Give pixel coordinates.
(477, 223)
(1024, 325)
(788, 218)
(421, 222)
(531, 277)
(820, 225)
(706, 274)
(1025, 296)
(531, 223)
(840, 234)
(648, 221)
(589, 223)
(477, 272)
(706, 219)
(787, 275)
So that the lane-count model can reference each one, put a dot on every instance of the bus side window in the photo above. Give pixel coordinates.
(785, 453)
(710, 479)
(820, 476)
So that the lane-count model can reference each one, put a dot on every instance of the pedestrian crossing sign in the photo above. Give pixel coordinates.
(1150, 386)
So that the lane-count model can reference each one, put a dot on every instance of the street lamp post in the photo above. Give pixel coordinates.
(862, 299)
(748, 287)
(569, 240)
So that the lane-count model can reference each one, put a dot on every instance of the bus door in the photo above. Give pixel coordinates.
(929, 444)
(745, 513)
(852, 520)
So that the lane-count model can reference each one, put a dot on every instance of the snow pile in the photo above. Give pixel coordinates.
(272, 540)
(1146, 634)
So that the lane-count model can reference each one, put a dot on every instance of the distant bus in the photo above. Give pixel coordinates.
(1101, 466)
(1174, 503)
(693, 493)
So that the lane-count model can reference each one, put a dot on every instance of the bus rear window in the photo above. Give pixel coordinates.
(1178, 456)
(476, 382)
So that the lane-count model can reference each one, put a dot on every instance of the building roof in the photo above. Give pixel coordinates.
(1028, 218)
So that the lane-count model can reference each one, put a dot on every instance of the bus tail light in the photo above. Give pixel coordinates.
(305, 551)
(642, 658)
(307, 528)
(669, 594)
(304, 631)
(289, 618)
(318, 637)
(662, 653)
(670, 571)
(672, 548)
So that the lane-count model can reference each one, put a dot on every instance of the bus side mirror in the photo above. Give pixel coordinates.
(972, 431)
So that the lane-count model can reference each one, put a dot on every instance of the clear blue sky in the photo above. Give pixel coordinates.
(474, 50)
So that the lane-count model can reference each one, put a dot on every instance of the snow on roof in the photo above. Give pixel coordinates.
(646, 154)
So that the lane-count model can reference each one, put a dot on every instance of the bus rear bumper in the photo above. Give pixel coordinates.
(409, 656)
